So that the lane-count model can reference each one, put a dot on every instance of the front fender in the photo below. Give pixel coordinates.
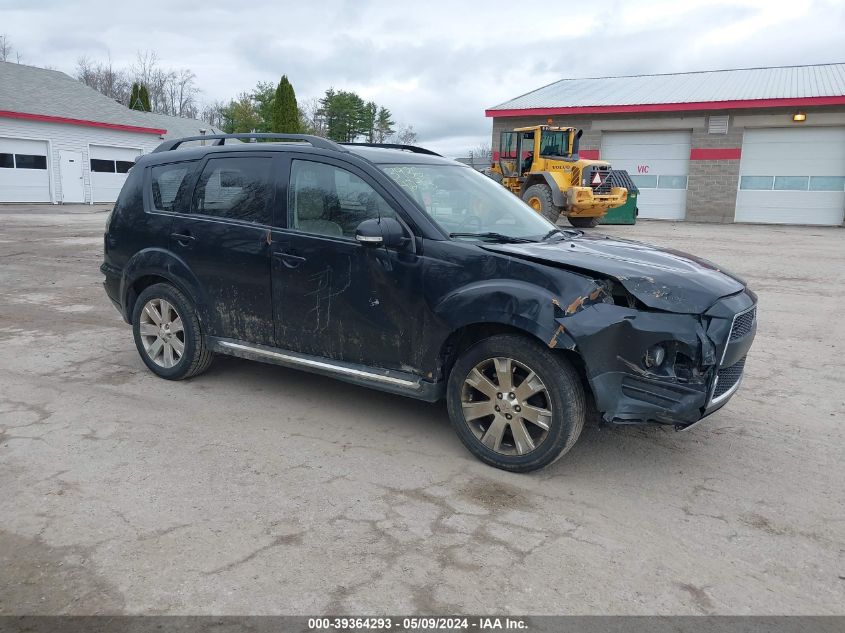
(159, 262)
(526, 306)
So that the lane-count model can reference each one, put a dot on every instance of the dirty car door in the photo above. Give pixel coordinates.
(334, 297)
(224, 239)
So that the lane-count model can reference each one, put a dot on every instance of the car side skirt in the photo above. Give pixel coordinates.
(401, 383)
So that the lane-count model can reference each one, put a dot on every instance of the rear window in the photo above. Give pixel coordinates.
(168, 183)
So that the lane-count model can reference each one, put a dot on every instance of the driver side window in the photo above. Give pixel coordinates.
(328, 200)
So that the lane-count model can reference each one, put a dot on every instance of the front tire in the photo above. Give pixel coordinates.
(584, 223)
(168, 334)
(539, 198)
(515, 404)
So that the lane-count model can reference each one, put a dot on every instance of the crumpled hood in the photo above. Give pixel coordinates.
(663, 279)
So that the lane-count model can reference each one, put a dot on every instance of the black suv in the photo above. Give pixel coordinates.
(394, 268)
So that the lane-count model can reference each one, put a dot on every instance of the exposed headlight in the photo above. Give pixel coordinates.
(654, 356)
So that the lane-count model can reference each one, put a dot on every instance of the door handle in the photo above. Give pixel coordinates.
(290, 261)
(183, 238)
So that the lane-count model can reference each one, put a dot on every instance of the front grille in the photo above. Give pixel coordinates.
(727, 377)
(621, 178)
(742, 324)
(606, 183)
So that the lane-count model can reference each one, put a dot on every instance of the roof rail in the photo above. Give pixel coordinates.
(408, 148)
(315, 141)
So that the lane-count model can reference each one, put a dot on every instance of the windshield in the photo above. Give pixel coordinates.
(554, 143)
(461, 200)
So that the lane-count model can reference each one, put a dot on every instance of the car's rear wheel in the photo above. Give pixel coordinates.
(584, 223)
(539, 198)
(168, 334)
(515, 404)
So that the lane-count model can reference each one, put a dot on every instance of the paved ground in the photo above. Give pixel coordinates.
(255, 489)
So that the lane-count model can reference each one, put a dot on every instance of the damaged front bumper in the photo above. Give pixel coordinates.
(703, 358)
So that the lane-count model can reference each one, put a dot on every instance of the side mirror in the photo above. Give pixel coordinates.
(386, 232)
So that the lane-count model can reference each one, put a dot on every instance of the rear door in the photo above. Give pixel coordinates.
(224, 237)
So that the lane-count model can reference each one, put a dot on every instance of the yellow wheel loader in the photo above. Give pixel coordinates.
(540, 164)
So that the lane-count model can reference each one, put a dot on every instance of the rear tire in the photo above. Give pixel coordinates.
(540, 390)
(168, 334)
(539, 198)
(584, 223)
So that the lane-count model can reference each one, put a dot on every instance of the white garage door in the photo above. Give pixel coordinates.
(109, 166)
(24, 176)
(659, 165)
(792, 176)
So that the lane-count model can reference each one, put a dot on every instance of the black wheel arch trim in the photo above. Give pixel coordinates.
(159, 262)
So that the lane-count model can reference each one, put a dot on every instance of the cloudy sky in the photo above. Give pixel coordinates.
(436, 64)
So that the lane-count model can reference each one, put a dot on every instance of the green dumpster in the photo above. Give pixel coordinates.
(627, 213)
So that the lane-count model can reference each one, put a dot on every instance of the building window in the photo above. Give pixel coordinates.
(791, 183)
(7, 161)
(756, 183)
(645, 182)
(672, 182)
(30, 161)
(102, 166)
(123, 166)
(827, 183)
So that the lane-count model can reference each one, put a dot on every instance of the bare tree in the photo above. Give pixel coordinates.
(405, 135)
(313, 117)
(214, 114)
(6, 49)
(173, 92)
(104, 78)
(482, 152)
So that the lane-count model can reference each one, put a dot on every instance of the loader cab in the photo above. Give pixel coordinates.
(516, 152)
(522, 148)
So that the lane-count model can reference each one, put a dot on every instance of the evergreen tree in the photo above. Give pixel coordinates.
(370, 120)
(139, 98)
(144, 96)
(264, 97)
(384, 125)
(345, 115)
(285, 110)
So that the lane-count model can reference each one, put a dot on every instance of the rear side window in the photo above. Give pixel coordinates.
(237, 188)
(168, 181)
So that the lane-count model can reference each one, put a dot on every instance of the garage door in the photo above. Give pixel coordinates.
(109, 166)
(24, 176)
(792, 176)
(659, 165)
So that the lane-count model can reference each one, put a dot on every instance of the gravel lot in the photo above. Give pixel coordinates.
(256, 489)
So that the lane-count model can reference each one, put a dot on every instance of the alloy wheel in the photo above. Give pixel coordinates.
(162, 333)
(507, 406)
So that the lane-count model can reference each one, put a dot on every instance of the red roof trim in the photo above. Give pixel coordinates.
(45, 118)
(721, 153)
(673, 107)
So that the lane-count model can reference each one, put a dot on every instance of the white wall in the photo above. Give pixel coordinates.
(75, 138)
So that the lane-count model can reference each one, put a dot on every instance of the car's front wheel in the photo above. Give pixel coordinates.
(168, 334)
(515, 404)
